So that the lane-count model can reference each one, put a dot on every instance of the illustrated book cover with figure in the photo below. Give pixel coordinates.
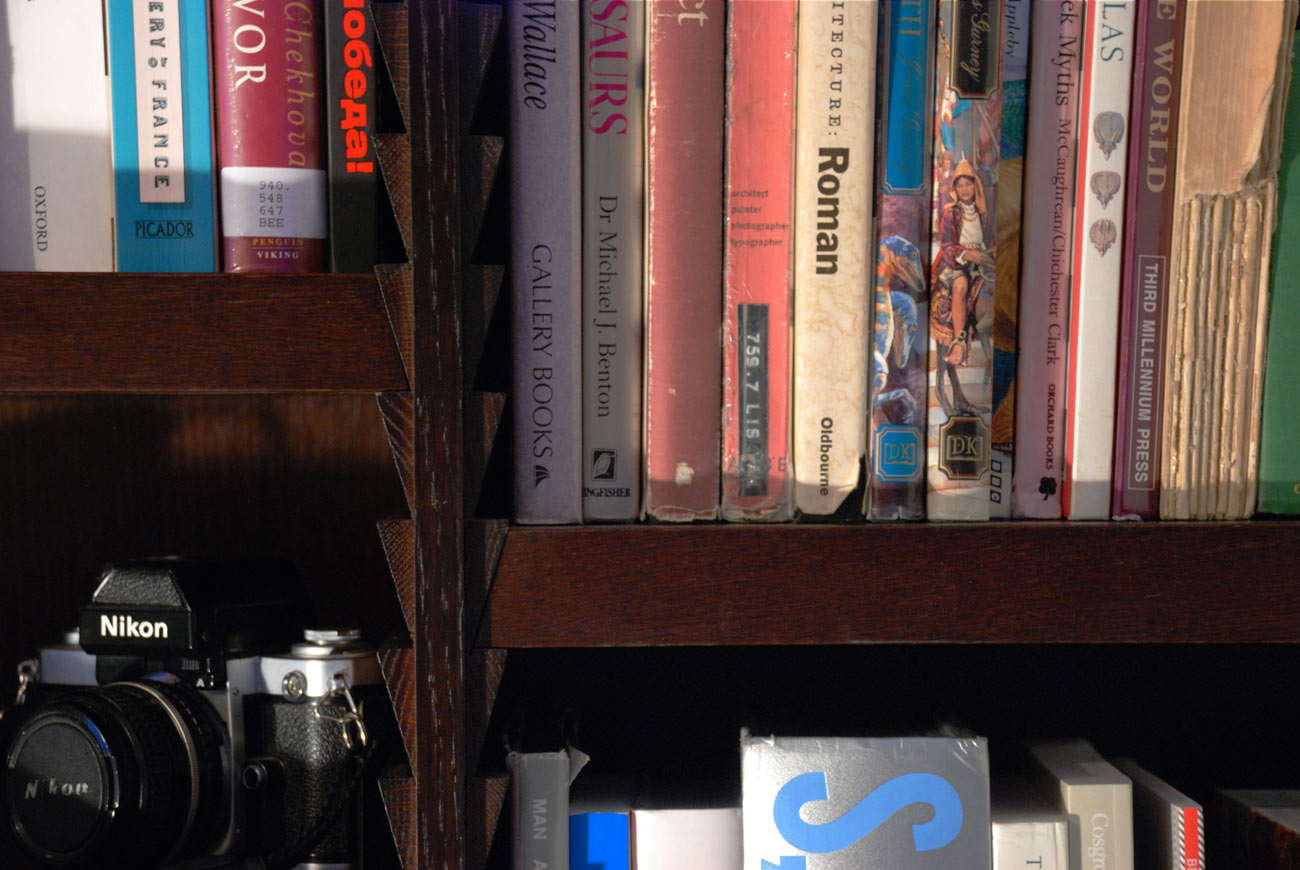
(900, 328)
(967, 144)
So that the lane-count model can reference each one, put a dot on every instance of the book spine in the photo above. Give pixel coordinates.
(1098, 259)
(273, 182)
(1148, 235)
(1011, 175)
(901, 323)
(1279, 461)
(964, 246)
(1189, 838)
(164, 193)
(56, 183)
(758, 260)
(352, 116)
(835, 109)
(613, 79)
(543, 42)
(685, 66)
(539, 785)
(1031, 844)
(1046, 243)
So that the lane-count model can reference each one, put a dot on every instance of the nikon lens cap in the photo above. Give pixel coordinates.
(60, 786)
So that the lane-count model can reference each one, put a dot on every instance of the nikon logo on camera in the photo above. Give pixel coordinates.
(117, 629)
(129, 626)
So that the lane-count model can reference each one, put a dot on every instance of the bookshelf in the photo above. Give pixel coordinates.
(234, 408)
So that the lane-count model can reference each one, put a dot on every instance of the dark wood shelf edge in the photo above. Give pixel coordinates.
(80, 332)
(1024, 582)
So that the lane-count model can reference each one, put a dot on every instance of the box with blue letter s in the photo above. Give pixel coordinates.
(907, 803)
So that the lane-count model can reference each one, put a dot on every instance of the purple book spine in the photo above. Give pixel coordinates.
(1149, 220)
(546, 258)
(1046, 244)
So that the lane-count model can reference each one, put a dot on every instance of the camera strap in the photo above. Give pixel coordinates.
(26, 676)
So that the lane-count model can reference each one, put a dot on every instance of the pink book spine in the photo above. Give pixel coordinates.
(268, 95)
(758, 260)
(1046, 242)
(684, 131)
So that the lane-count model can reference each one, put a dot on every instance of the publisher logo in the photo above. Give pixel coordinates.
(897, 450)
(164, 229)
(963, 448)
(604, 464)
(540, 474)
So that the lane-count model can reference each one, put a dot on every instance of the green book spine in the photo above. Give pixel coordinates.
(1279, 453)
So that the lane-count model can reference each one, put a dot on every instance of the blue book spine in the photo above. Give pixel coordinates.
(898, 369)
(599, 841)
(162, 136)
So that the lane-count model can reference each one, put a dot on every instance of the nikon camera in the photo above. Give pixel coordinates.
(190, 722)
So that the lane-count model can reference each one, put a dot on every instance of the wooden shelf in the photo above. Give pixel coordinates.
(63, 332)
(806, 584)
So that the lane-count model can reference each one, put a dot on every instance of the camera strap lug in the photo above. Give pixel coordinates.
(354, 728)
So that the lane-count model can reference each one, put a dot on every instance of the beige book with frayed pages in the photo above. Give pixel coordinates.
(1235, 76)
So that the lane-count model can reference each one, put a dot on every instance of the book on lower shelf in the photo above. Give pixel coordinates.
(539, 783)
(1029, 833)
(56, 185)
(841, 803)
(1085, 785)
(1168, 826)
(1257, 828)
(163, 151)
(268, 84)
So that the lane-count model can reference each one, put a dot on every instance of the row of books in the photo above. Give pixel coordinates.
(128, 126)
(912, 802)
(697, 333)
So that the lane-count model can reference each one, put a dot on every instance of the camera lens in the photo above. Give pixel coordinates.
(128, 775)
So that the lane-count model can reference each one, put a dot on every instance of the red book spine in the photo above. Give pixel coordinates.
(684, 129)
(1149, 219)
(268, 96)
(758, 260)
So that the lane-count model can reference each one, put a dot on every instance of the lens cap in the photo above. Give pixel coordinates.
(60, 785)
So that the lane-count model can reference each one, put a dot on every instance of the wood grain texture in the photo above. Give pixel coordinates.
(486, 334)
(392, 27)
(441, 763)
(398, 412)
(400, 802)
(480, 33)
(394, 150)
(194, 333)
(483, 672)
(398, 539)
(398, 665)
(397, 288)
(1022, 582)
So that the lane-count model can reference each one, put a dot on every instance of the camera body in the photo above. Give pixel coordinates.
(190, 719)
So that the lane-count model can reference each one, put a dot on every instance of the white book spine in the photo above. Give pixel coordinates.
(613, 106)
(546, 258)
(1031, 844)
(703, 839)
(1098, 258)
(56, 179)
(834, 154)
